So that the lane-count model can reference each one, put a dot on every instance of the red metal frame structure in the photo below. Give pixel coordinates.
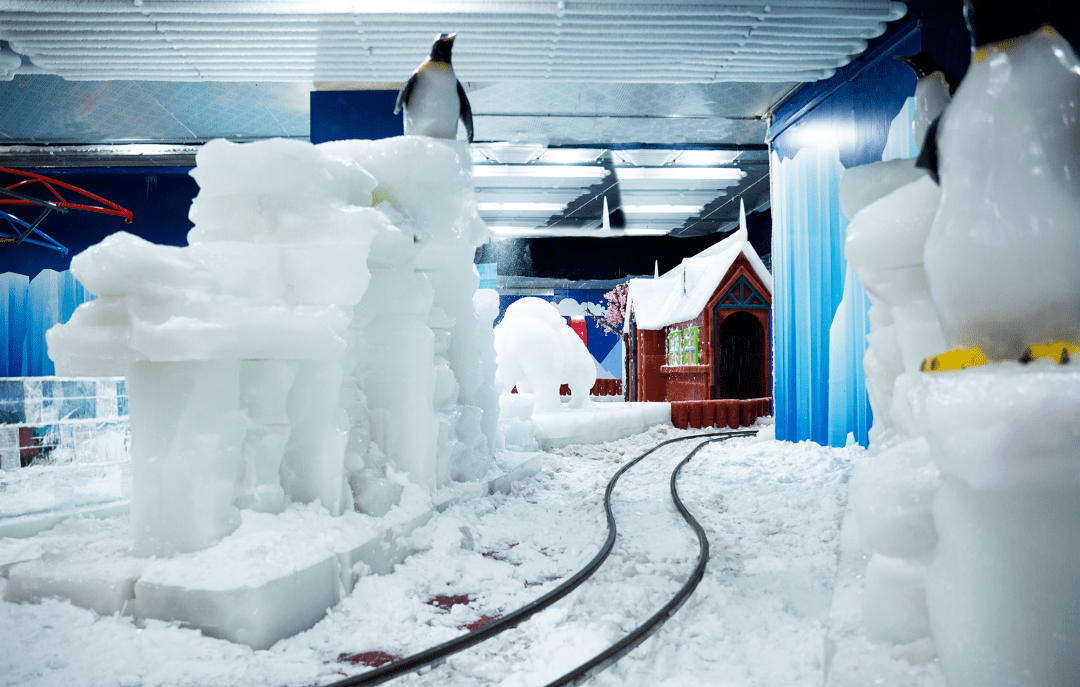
(16, 195)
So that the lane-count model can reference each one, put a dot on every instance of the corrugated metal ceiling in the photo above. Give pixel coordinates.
(284, 40)
(606, 75)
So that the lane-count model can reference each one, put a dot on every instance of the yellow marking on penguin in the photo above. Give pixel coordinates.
(1060, 352)
(1007, 44)
(956, 359)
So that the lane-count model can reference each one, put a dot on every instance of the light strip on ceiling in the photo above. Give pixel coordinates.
(661, 209)
(682, 173)
(549, 232)
(539, 171)
(520, 207)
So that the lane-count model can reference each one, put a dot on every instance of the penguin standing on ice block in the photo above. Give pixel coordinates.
(933, 91)
(433, 98)
(1003, 255)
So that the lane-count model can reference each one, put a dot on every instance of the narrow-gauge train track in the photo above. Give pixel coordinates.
(439, 653)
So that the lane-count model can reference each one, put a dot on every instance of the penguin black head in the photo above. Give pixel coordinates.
(440, 49)
(990, 21)
(924, 64)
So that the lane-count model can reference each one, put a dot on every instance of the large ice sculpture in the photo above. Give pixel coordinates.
(296, 350)
(1002, 264)
(970, 495)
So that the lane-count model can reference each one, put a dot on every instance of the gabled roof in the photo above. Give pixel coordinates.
(682, 293)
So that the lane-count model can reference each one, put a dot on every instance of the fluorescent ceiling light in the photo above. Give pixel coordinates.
(661, 209)
(707, 157)
(519, 207)
(545, 232)
(683, 173)
(540, 171)
(571, 156)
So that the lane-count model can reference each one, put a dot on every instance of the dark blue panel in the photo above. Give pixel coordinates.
(855, 112)
(339, 115)
(158, 197)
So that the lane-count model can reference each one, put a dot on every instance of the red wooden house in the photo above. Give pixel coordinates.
(701, 331)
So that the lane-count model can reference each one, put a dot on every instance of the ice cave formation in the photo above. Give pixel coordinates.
(321, 340)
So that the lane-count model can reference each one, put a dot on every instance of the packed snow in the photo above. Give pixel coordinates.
(772, 511)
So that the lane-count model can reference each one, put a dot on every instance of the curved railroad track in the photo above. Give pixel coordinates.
(438, 654)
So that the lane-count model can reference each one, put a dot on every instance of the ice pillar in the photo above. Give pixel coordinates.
(185, 451)
(1002, 591)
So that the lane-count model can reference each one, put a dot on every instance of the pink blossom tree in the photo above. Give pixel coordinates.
(613, 319)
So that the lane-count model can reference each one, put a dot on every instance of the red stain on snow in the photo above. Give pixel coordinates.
(448, 601)
(498, 556)
(372, 659)
(484, 620)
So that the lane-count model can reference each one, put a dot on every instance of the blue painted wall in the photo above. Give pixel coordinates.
(827, 127)
(158, 197)
(340, 115)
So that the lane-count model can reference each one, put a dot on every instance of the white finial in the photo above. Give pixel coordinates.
(742, 215)
(607, 221)
(656, 269)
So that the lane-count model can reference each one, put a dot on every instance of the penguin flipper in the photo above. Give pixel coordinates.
(928, 156)
(466, 111)
(405, 92)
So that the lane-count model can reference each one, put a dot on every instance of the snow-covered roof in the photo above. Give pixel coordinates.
(663, 301)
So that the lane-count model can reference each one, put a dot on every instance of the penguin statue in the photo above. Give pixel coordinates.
(1002, 255)
(933, 91)
(433, 98)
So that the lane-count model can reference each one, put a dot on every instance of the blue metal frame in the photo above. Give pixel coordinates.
(20, 231)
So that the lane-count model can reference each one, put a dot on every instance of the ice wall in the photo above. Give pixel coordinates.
(892, 206)
(296, 349)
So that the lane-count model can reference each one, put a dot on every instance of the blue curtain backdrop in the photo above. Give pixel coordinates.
(820, 309)
(29, 308)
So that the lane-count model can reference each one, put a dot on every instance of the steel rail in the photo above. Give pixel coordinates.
(439, 653)
(609, 656)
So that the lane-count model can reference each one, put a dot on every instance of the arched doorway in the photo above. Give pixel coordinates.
(739, 356)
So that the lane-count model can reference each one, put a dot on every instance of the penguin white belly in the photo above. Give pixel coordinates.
(433, 108)
(1003, 255)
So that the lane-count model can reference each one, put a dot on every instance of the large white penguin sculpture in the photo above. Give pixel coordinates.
(1003, 255)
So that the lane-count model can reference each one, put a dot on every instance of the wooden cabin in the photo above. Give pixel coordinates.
(702, 330)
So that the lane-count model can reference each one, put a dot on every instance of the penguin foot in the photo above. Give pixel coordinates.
(956, 359)
(1060, 352)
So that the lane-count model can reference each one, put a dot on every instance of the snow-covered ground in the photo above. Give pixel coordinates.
(772, 511)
